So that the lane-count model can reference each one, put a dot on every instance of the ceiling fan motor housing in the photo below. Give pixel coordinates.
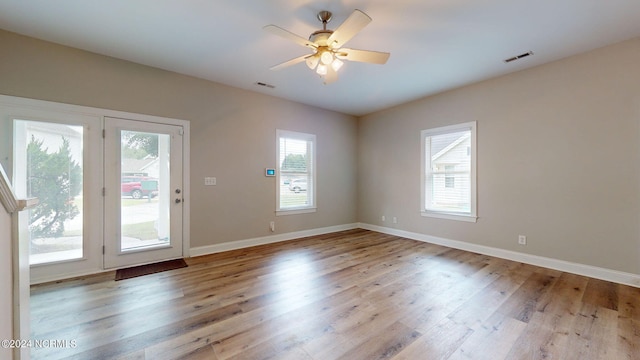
(320, 37)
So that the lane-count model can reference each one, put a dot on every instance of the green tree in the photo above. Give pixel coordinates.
(294, 162)
(137, 145)
(55, 179)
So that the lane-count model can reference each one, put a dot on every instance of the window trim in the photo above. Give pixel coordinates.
(311, 186)
(471, 216)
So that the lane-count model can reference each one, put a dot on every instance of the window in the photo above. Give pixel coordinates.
(449, 172)
(296, 172)
(49, 165)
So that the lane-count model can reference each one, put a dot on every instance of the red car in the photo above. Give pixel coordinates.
(139, 186)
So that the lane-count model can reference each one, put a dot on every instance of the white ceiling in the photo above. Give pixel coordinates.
(435, 45)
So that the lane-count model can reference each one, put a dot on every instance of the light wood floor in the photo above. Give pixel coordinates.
(350, 295)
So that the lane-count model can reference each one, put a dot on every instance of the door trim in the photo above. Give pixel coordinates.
(113, 255)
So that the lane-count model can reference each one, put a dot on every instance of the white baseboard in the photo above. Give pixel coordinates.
(241, 244)
(566, 266)
(64, 276)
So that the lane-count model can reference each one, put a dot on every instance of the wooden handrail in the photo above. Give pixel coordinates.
(9, 200)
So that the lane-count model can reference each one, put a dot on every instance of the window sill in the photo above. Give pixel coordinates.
(450, 216)
(295, 211)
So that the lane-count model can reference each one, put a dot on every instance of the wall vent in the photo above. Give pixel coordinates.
(518, 57)
(259, 83)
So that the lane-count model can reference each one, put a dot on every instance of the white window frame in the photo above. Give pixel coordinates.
(425, 147)
(311, 167)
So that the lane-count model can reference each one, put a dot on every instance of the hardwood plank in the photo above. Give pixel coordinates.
(440, 342)
(628, 322)
(547, 335)
(491, 340)
(136, 355)
(522, 304)
(385, 343)
(628, 346)
(593, 331)
(298, 326)
(203, 353)
(337, 342)
(601, 293)
(629, 302)
(482, 305)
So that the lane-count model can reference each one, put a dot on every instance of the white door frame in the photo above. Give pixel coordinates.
(170, 188)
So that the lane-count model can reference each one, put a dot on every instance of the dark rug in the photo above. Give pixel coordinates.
(141, 270)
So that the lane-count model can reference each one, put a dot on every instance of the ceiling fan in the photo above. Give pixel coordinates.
(327, 46)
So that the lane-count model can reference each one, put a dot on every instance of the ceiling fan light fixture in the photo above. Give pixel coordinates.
(336, 64)
(322, 69)
(326, 57)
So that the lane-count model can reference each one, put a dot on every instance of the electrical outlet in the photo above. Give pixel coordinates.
(522, 240)
(383, 218)
(395, 220)
(272, 226)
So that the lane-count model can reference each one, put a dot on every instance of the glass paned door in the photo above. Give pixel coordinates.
(143, 221)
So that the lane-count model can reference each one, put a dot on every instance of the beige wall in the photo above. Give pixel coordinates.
(558, 160)
(232, 134)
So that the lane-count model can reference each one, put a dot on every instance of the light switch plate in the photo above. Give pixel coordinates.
(209, 181)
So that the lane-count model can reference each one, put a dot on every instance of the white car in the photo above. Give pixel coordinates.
(298, 185)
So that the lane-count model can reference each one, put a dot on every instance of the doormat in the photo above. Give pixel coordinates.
(141, 270)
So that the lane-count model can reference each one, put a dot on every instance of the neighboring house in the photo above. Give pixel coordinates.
(140, 167)
(452, 161)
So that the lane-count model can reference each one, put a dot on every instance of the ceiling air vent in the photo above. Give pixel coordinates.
(518, 57)
(266, 85)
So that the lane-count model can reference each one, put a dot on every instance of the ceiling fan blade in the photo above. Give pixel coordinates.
(331, 76)
(373, 57)
(293, 61)
(276, 30)
(348, 29)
